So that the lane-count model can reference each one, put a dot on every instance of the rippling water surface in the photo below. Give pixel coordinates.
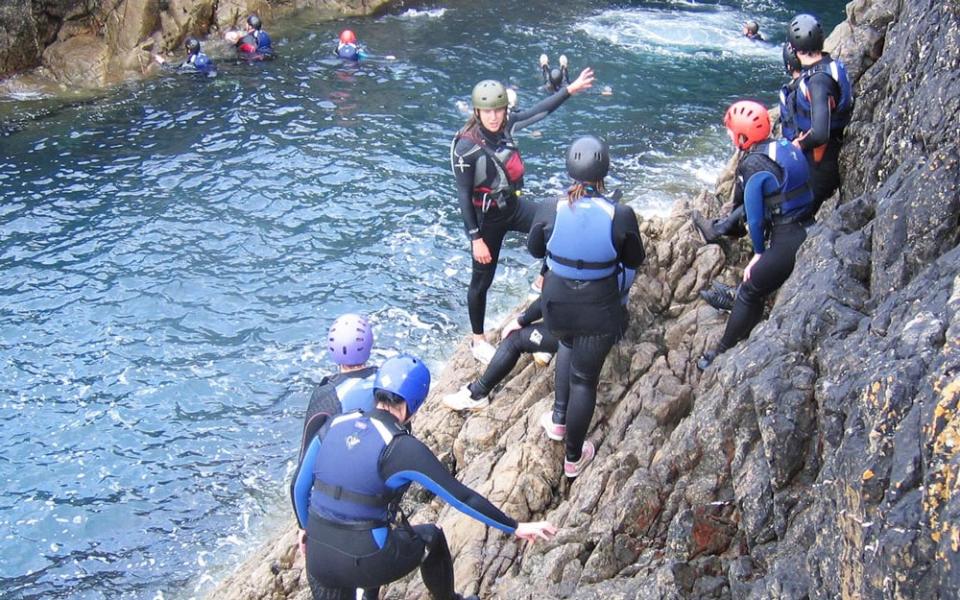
(172, 253)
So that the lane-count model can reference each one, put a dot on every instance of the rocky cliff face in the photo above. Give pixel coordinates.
(94, 43)
(819, 459)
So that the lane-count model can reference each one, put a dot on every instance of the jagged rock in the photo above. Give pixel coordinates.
(80, 61)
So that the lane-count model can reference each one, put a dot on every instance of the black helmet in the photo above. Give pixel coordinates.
(254, 21)
(805, 33)
(753, 28)
(790, 61)
(588, 159)
(556, 78)
(192, 45)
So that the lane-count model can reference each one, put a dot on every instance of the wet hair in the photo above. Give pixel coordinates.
(388, 398)
(579, 190)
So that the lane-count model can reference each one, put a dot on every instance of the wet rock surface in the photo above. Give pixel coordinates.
(818, 459)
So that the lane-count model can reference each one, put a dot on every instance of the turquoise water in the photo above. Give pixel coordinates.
(172, 253)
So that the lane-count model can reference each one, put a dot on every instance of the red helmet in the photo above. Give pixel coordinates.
(348, 37)
(748, 123)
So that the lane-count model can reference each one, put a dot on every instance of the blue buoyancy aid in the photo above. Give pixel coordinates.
(348, 52)
(347, 486)
(356, 393)
(581, 245)
(839, 111)
(264, 43)
(794, 197)
(788, 110)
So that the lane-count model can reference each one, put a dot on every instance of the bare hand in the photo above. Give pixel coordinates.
(160, 60)
(513, 325)
(302, 538)
(481, 253)
(582, 82)
(799, 138)
(532, 531)
(753, 261)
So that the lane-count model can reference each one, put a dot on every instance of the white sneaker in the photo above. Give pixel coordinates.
(554, 431)
(462, 400)
(483, 351)
(542, 358)
(573, 469)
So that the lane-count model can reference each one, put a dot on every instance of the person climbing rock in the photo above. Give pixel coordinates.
(489, 171)
(349, 343)
(772, 177)
(588, 239)
(824, 103)
(348, 486)
(788, 93)
(196, 61)
(253, 44)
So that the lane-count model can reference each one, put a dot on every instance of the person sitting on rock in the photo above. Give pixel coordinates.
(349, 484)
(772, 178)
(824, 104)
(556, 78)
(349, 343)
(196, 61)
(587, 239)
(751, 31)
(522, 334)
(253, 43)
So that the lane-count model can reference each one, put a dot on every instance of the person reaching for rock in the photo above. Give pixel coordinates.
(772, 178)
(348, 486)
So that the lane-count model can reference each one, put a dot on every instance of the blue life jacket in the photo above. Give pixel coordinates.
(348, 52)
(840, 112)
(264, 44)
(356, 393)
(202, 62)
(794, 196)
(788, 110)
(581, 245)
(347, 486)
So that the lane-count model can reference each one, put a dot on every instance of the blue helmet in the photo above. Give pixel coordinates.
(406, 377)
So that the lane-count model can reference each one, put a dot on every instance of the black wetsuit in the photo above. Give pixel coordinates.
(490, 216)
(324, 401)
(345, 553)
(825, 169)
(587, 317)
(529, 338)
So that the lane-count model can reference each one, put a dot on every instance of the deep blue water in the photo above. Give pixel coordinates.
(172, 253)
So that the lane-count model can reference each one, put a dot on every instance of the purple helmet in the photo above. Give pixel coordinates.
(350, 340)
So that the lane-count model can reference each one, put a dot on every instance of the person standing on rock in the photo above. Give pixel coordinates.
(587, 240)
(349, 342)
(347, 491)
(489, 176)
(772, 178)
(824, 103)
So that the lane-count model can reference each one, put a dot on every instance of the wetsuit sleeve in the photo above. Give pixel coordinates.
(759, 184)
(541, 229)
(408, 460)
(626, 237)
(463, 161)
(821, 87)
(323, 401)
(538, 111)
(302, 482)
(531, 315)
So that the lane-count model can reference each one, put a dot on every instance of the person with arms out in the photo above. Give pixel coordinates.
(824, 103)
(349, 343)
(588, 240)
(772, 179)
(555, 78)
(196, 61)
(489, 176)
(253, 43)
(347, 491)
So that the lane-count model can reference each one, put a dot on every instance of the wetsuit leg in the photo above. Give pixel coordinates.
(533, 338)
(492, 232)
(318, 592)
(825, 175)
(586, 361)
(767, 275)
(437, 568)
(561, 381)
(522, 218)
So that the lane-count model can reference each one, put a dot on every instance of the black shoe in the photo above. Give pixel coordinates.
(720, 296)
(707, 359)
(705, 227)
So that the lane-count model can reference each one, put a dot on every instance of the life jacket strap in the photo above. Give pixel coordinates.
(338, 493)
(581, 264)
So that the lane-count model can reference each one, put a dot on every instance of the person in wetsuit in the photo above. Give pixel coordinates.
(772, 180)
(254, 44)
(587, 240)
(196, 61)
(751, 31)
(555, 78)
(349, 343)
(347, 491)
(348, 48)
(824, 102)
(489, 176)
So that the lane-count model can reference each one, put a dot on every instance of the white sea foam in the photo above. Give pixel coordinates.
(412, 13)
